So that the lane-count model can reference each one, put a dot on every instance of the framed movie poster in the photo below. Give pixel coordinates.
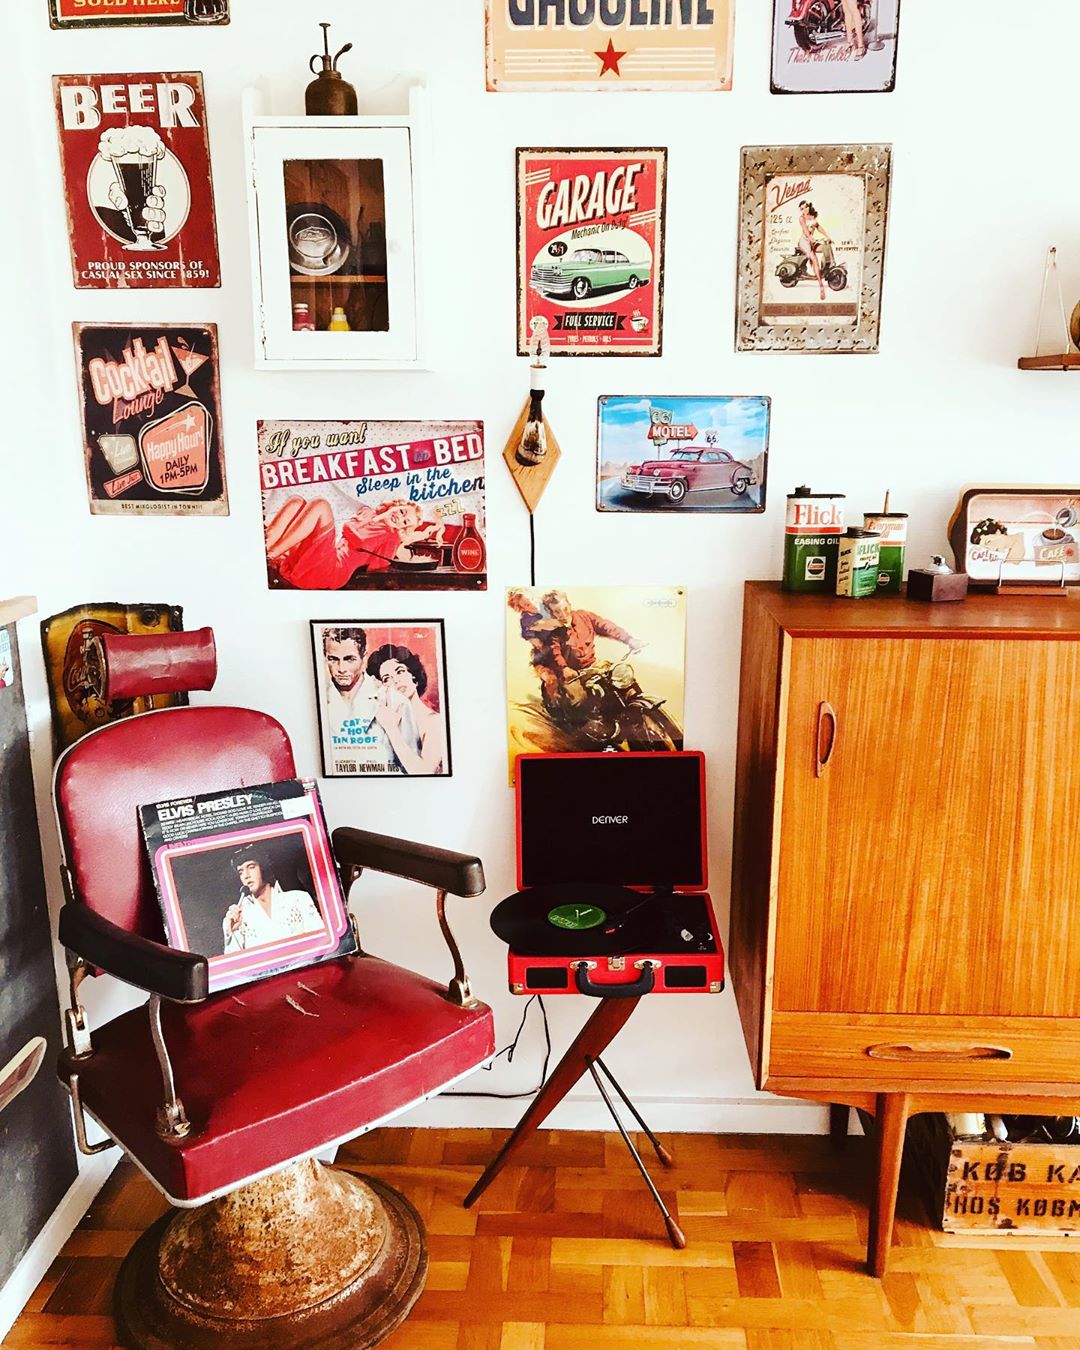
(594, 668)
(682, 454)
(834, 46)
(135, 13)
(603, 45)
(381, 692)
(151, 419)
(136, 164)
(812, 247)
(360, 506)
(591, 250)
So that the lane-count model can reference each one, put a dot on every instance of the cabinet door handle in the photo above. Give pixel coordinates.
(824, 737)
(915, 1053)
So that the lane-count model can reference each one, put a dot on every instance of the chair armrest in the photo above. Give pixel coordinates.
(180, 976)
(458, 873)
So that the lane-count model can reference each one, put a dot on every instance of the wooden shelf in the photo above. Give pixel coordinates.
(1062, 361)
(340, 278)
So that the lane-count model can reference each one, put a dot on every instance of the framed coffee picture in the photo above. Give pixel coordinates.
(812, 235)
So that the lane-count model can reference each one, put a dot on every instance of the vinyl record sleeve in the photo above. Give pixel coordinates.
(246, 877)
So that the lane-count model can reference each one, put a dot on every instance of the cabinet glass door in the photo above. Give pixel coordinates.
(336, 244)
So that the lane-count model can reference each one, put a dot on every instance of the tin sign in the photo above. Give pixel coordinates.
(151, 419)
(591, 250)
(604, 45)
(136, 162)
(135, 13)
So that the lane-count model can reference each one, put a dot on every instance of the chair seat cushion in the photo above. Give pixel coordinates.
(275, 1070)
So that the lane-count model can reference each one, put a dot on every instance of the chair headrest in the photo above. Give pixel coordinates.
(126, 666)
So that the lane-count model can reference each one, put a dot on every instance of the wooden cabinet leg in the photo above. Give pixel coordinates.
(839, 1119)
(891, 1122)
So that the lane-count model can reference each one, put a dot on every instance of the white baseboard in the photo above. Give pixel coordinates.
(46, 1247)
(585, 1111)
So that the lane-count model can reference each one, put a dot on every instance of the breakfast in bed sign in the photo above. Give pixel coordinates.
(373, 505)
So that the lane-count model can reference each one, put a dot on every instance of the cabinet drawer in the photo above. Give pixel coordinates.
(910, 1050)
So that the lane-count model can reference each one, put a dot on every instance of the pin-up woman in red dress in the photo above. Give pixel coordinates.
(303, 543)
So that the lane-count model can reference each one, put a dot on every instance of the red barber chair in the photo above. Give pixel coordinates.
(223, 1101)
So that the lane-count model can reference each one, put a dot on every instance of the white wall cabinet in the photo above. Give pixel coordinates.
(334, 210)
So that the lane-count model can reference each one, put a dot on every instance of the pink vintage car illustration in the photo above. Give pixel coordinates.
(695, 469)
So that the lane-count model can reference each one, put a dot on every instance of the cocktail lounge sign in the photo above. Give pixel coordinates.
(609, 44)
(135, 13)
(136, 161)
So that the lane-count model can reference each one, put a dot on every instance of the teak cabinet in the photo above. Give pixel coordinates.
(905, 906)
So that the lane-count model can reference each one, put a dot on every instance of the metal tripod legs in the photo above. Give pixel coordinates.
(675, 1234)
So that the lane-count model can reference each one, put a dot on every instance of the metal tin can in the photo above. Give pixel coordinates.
(892, 526)
(857, 564)
(815, 521)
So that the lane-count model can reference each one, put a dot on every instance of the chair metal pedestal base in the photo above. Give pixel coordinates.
(311, 1256)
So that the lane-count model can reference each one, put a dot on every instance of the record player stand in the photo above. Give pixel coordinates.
(609, 1018)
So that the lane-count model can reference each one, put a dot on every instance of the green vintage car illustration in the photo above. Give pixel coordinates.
(586, 270)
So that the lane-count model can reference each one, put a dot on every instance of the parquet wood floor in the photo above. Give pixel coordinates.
(565, 1252)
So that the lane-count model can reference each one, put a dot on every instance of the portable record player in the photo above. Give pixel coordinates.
(612, 866)
(611, 903)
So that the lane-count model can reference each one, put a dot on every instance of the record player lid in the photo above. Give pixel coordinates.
(630, 819)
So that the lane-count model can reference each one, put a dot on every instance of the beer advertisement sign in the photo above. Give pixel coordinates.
(151, 419)
(355, 506)
(135, 13)
(605, 45)
(136, 163)
(591, 250)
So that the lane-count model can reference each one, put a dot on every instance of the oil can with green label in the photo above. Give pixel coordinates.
(815, 522)
(892, 526)
(857, 563)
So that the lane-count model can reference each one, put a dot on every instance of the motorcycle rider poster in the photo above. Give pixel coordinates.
(591, 250)
(678, 453)
(834, 46)
(593, 668)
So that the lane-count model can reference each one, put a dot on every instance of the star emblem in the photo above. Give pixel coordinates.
(609, 59)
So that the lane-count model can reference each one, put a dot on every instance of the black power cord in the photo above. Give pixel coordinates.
(509, 1050)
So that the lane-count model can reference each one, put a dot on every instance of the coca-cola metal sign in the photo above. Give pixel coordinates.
(136, 13)
(136, 162)
(151, 419)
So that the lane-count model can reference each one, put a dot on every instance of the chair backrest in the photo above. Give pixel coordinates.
(102, 780)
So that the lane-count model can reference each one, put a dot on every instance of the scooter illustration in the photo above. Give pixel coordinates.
(794, 267)
(818, 23)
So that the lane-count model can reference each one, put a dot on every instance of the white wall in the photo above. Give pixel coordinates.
(982, 125)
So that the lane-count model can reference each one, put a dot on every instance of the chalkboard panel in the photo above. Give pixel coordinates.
(35, 1128)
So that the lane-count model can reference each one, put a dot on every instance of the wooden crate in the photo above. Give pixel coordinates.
(996, 1188)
